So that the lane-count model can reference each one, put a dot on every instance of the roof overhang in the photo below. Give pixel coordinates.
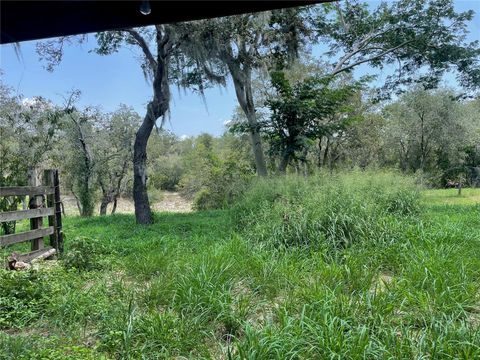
(33, 20)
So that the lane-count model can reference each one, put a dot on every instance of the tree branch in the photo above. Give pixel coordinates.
(340, 15)
(144, 46)
(348, 67)
(358, 47)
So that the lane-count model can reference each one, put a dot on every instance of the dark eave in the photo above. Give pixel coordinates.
(33, 20)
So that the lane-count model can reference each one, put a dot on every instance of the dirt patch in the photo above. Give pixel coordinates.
(171, 202)
(381, 283)
(474, 319)
(26, 332)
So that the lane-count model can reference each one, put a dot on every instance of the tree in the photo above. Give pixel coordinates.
(425, 131)
(156, 65)
(80, 161)
(217, 171)
(167, 167)
(114, 147)
(470, 113)
(245, 44)
(163, 61)
(421, 40)
(364, 144)
(28, 131)
(303, 113)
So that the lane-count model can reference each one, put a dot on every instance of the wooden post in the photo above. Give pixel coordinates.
(56, 239)
(34, 203)
(58, 211)
(48, 180)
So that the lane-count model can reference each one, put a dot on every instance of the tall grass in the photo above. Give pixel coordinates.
(399, 281)
(326, 211)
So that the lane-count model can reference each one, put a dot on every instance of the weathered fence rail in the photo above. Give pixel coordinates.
(44, 201)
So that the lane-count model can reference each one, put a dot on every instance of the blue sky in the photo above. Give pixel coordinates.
(111, 80)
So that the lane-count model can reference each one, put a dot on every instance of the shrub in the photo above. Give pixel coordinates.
(85, 254)
(155, 196)
(166, 173)
(331, 211)
(218, 186)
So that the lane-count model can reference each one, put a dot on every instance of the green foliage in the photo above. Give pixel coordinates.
(427, 133)
(332, 211)
(37, 347)
(84, 254)
(23, 296)
(345, 265)
(421, 40)
(166, 163)
(303, 112)
(114, 152)
(217, 172)
(28, 131)
(223, 186)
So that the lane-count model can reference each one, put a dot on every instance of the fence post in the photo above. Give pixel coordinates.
(56, 239)
(48, 180)
(58, 210)
(34, 203)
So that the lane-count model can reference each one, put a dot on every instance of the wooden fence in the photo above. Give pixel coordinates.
(44, 201)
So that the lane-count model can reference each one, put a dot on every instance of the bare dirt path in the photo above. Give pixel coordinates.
(171, 202)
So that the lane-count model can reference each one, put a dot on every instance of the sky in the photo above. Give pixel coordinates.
(108, 81)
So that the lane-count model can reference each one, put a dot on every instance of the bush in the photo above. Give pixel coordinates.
(155, 196)
(85, 254)
(331, 211)
(218, 186)
(166, 173)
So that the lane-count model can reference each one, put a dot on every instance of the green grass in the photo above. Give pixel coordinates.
(451, 197)
(199, 285)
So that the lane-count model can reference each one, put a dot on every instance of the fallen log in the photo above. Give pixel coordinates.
(18, 261)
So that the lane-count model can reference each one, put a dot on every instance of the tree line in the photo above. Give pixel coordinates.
(289, 106)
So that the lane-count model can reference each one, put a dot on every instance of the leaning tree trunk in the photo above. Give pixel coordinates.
(155, 109)
(243, 89)
(143, 213)
(105, 198)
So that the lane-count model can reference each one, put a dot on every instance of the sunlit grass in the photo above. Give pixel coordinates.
(468, 196)
(197, 286)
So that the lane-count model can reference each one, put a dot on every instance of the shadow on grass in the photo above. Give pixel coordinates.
(181, 227)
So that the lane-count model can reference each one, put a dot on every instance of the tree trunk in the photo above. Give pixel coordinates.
(86, 197)
(114, 207)
(422, 144)
(143, 213)
(285, 159)
(243, 89)
(118, 187)
(326, 153)
(103, 206)
(319, 158)
(77, 201)
(258, 152)
(155, 109)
